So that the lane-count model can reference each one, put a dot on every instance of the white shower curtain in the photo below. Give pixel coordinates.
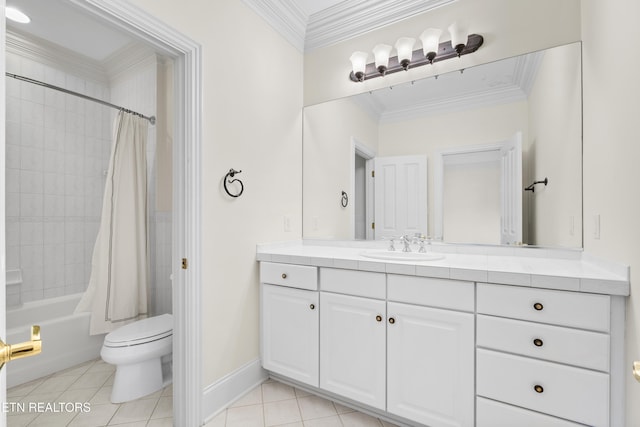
(117, 291)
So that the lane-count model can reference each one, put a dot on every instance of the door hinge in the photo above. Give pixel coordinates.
(373, 225)
(373, 174)
(185, 263)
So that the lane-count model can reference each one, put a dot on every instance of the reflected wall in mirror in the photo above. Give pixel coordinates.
(537, 96)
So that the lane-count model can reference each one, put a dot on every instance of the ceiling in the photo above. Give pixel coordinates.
(306, 24)
(60, 22)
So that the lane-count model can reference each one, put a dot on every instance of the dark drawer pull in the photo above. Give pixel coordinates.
(538, 306)
(312, 306)
(392, 320)
(284, 275)
(538, 342)
(538, 388)
(379, 318)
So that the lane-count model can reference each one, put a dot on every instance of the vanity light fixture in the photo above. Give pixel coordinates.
(359, 64)
(458, 38)
(432, 50)
(381, 53)
(16, 15)
(430, 39)
(404, 46)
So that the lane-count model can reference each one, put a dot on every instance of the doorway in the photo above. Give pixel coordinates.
(185, 181)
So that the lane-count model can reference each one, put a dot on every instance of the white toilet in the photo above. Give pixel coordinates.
(137, 350)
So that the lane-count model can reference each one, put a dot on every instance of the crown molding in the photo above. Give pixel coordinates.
(285, 16)
(526, 70)
(345, 20)
(47, 53)
(352, 18)
(128, 58)
(481, 99)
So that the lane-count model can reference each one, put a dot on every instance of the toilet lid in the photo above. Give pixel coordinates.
(141, 331)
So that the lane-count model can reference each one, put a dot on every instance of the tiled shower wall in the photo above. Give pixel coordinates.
(58, 150)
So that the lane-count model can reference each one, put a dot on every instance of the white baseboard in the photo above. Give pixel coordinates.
(222, 393)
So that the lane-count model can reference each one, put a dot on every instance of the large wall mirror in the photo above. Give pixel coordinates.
(462, 157)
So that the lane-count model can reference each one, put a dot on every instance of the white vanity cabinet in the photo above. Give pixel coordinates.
(353, 335)
(289, 321)
(353, 347)
(413, 344)
(542, 350)
(430, 346)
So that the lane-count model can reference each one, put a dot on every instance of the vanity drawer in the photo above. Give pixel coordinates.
(580, 310)
(441, 293)
(571, 346)
(353, 282)
(576, 394)
(293, 276)
(490, 413)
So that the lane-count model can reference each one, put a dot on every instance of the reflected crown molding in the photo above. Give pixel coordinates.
(513, 86)
(345, 20)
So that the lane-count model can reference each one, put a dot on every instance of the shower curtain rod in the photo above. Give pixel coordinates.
(151, 119)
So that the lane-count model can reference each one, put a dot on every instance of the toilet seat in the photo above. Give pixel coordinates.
(141, 332)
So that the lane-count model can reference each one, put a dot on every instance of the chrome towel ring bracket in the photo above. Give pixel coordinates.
(232, 172)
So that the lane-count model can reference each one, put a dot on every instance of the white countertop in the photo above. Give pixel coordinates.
(568, 270)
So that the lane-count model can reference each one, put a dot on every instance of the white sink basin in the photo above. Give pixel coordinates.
(401, 256)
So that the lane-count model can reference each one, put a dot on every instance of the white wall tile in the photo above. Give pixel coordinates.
(31, 181)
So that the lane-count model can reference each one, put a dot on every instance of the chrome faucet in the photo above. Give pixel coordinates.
(407, 243)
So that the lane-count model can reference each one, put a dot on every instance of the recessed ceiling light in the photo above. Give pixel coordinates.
(16, 15)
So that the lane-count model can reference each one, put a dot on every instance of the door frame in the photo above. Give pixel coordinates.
(476, 154)
(369, 154)
(3, 248)
(186, 242)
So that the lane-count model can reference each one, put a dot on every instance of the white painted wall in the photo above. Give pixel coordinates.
(471, 203)
(509, 28)
(327, 165)
(555, 127)
(252, 121)
(611, 154)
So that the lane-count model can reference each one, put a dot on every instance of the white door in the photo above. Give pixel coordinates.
(511, 183)
(400, 196)
(352, 348)
(430, 365)
(289, 334)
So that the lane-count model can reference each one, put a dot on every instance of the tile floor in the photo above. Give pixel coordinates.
(89, 385)
(271, 404)
(274, 404)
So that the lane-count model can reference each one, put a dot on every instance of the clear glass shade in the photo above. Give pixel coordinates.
(430, 39)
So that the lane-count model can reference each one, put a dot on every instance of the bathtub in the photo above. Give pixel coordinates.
(65, 337)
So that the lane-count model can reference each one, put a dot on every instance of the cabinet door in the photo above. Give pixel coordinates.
(430, 365)
(289, 332)
(352, 348)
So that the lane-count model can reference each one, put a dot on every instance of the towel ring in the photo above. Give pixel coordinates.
(231, 174)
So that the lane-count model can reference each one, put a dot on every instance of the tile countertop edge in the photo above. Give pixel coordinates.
(597, 276)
